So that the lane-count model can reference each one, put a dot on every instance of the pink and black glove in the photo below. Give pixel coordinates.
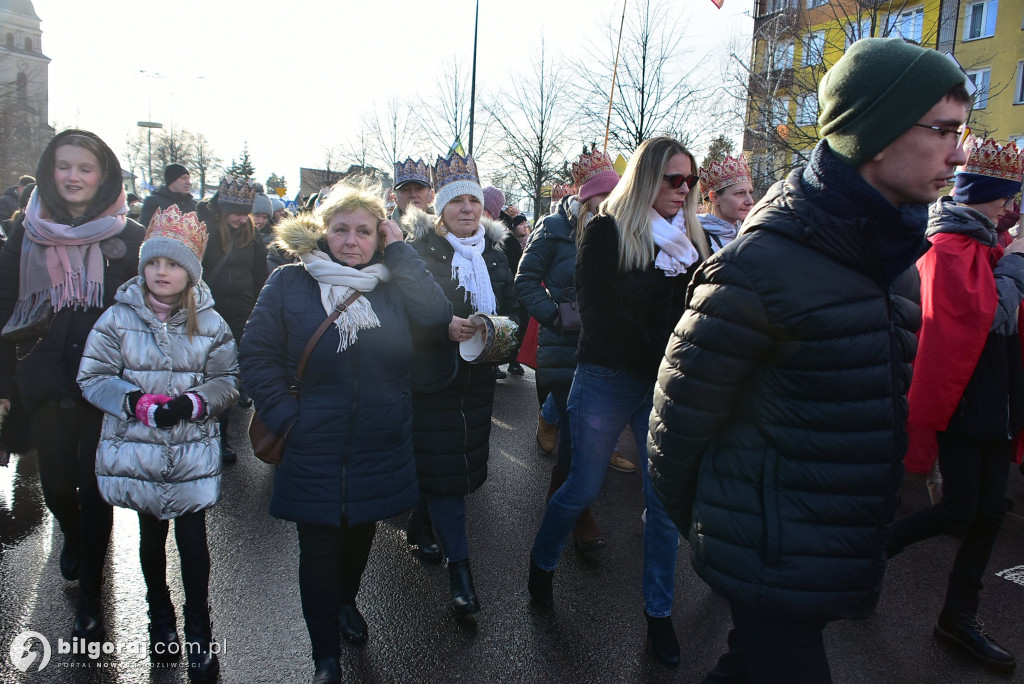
(145, 406)
(186, 407)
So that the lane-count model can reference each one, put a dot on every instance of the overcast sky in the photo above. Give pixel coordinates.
(295, 76)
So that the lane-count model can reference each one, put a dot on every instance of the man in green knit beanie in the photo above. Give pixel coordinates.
(778, 431)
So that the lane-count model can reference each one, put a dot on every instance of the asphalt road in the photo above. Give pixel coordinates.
(596, 632)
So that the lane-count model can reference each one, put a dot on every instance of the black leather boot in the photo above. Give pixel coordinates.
(203, 665)
(464, 599)
(163, 627)
(663, 639)
(540, 585)
(328, 671)
(89, 619)
(969, 634)
(419, 533)
(353, 625)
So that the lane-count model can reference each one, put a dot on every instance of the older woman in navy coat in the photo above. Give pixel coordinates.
(348, 458)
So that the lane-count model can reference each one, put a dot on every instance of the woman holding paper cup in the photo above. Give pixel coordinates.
(452, 412)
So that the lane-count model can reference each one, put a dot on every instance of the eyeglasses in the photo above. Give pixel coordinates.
(1008, 204)
(944, 131)
(676, 180)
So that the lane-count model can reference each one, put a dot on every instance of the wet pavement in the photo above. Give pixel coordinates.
(595, 633)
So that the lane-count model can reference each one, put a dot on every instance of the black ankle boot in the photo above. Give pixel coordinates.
(203, 665)
(89, 620)
(464, 599)
(328, 671)
(419, 533)
(663, 639)
(540, 585)
(227, 454)
(69, 557)
(353, 625)
(969, 634)
(163, 628)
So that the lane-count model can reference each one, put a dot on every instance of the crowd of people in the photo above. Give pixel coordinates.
(764, 358)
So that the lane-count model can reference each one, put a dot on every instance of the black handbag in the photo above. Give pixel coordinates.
(31, 322)
(569, 312)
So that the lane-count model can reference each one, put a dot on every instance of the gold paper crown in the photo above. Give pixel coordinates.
(236, 190)
(560, 191)
(185, 228)
(410, 170)
(716, 175)
(989, 158)
(590, 165)
(454, 168)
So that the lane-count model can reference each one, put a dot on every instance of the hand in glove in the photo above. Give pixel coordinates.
(186, 407)
(145, 406)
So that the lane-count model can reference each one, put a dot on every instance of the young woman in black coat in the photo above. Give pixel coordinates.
(73, 247)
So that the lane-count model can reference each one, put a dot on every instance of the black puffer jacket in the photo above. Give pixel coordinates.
(238, 283)
(452, 427)
(627, 317)
(550, 258)
(50, 369)
(778, 423)
(162, 198)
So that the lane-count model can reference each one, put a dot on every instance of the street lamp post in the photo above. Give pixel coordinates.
(149, 126)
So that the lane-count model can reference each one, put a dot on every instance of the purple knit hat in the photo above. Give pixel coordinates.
(494, 200)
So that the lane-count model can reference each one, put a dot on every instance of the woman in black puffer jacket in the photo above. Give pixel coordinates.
(234, 266)
(77, 217)
(452, 425)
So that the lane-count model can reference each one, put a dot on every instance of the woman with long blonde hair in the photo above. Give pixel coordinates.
(634, 264)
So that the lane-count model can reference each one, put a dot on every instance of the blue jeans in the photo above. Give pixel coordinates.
(549, 411)
(602, 402)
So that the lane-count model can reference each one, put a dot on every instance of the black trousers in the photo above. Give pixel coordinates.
(66, 441)
(331, 564)
(190, 536)
(770, 650)
(974, 473)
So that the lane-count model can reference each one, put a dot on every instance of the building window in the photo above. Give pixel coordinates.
(28, 45)
(780, 112)
(782, 57)
(816, 3)
(980, 19)
(10, 41)
(980, 78)
(776, 6)
(807, 109)
(814, 48)
(1018, 92)
(908, 24)
(855, 32)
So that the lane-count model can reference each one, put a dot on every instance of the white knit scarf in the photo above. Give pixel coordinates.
(470, 271)
(337, 283)
(677, 252)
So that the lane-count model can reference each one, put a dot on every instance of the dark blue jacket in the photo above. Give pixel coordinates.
(349, 448)
(550, 258)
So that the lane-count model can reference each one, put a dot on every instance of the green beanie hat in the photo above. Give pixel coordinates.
(877, 91)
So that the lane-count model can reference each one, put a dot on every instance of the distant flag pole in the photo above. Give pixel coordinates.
(472, 90)
(615, 72)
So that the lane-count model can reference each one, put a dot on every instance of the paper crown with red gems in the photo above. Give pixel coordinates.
(179, 237)
(718, 174)
(559, 191)
(989, 158)
(411, 171)
(594, 174)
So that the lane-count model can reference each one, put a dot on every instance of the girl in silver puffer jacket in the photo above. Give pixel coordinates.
(161, 364)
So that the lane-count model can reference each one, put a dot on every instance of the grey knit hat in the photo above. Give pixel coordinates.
(262, 205)
(877, 91)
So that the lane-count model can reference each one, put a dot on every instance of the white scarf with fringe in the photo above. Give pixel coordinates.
(337, 283)
(470, 271)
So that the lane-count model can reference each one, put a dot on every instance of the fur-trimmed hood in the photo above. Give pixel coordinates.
(417, 225)
(298, 235)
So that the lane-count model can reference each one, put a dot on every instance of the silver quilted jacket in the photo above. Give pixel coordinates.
(163, 472)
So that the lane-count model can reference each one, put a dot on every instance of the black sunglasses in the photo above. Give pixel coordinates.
(677, 179)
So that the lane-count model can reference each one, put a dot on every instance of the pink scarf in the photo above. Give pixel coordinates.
(162, 311)
(64, 261)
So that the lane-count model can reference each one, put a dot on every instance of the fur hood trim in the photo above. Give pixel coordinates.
(418, 225)
(298, 235)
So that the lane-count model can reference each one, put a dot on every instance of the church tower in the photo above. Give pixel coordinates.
(24, 91)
